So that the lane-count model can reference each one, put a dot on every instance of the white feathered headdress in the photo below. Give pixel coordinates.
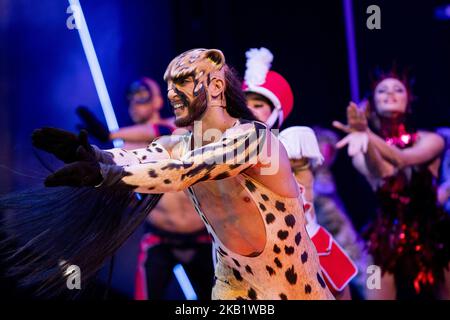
(258, 64)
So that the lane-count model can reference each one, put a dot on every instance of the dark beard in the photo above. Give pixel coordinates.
(196, 109)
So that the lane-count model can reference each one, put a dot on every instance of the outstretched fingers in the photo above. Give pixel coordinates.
(341, 126)
(343, 142)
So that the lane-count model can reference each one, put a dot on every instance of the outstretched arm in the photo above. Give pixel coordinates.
(427, 148)
(382, 159)
(135, 133)
(140, 132)
(239, 149)
(367, 158)
(122, 157)
(66, 146)
(235, 152)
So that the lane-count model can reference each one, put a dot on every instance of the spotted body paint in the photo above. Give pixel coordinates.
(275, 271)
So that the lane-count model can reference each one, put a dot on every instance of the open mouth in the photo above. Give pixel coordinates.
(177, 105)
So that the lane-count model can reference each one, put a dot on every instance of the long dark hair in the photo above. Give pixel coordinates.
(50, 229)
(235, 97)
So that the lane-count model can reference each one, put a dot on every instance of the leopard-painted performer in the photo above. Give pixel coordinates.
(240, 184)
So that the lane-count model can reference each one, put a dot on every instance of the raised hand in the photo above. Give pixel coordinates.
(357, 137)
(357, 143)
(63, 144)
(356, 119)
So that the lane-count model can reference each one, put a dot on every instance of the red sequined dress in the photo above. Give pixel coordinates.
(410, 236)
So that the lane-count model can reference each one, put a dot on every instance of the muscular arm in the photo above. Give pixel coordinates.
(122, 157)
(236, 152)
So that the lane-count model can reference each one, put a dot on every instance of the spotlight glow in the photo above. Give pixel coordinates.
(184, 282)
(94, 66)
(351, 49)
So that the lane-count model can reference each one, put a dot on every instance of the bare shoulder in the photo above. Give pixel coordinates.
(428, 137)
(435, 145)
(274, 168)
(245, 127)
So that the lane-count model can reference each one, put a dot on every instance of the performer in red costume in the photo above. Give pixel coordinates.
(331, 212)
(409, 239)
(270, 98)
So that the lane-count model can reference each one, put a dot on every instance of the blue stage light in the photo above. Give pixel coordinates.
(110, 116)
(351, 49)
(94, 66)
(184, 282)
(442, 12)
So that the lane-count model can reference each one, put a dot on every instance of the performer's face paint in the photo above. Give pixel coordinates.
(191, 78)
(390, 97)
(188, 109)
(140, 108)
(260, 106)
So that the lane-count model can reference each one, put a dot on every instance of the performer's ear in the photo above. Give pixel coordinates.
(216, 87)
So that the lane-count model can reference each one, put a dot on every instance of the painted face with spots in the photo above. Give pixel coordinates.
(190, 81)
(187, 106)
(390, 96)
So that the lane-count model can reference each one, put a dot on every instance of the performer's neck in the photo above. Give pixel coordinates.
(392, 126)
(214, 118)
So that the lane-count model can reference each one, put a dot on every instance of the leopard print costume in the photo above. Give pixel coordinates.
(214, 186)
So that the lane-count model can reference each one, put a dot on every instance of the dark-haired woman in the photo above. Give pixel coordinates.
(409, 239)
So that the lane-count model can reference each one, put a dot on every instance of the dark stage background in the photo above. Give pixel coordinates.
(44, 74)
